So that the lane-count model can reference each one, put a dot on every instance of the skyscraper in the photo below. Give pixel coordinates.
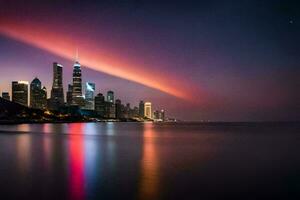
(100, 104)
(147, 110)
(77, 98)
(38, 95)
(135, 112)
(141, 109)
(57, 91)
(5, 95)
(89, 95)
(110, 110)
(110, 97)
(156, 115)
(119, 113)
(20, 92)
(127, 111)
(69, 94)
(159, 115)
(162, 115)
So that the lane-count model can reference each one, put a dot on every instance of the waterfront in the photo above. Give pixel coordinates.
(150, 161)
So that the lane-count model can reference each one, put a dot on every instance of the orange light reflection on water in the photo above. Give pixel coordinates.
(149, 183)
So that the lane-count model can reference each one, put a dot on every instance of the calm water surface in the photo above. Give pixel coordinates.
(149, 161)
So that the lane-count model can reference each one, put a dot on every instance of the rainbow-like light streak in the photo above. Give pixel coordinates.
(63, 45)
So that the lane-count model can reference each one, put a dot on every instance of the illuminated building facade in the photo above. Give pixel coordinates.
(38, 95)
(20, 92)
(148, 110)
(77, 98)
(77, 83)
(89, 95)
(110, 97)
(57, 91)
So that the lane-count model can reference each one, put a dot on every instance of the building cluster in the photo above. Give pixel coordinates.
(35, 96)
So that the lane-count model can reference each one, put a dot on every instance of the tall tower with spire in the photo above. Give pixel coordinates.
(77, 98)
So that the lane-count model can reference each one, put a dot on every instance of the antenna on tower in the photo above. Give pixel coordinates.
(76, 55)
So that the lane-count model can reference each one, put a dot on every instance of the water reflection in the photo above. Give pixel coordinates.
(149, 183)
(76, 162)
(110, 128)
(23, 144)
(83, 152)
(143, 161)
(23, 128)
(47, 151)
(92, 167)
(90, 129)
(55, 128)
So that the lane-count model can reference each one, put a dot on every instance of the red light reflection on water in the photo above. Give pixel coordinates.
(76, 155)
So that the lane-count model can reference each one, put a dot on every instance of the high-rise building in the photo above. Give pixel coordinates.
(77, 98)
(57, 91)
(110, 97)
(162, 115)
(159, 115)
(20, 92)
(135, 112)
(127, 111)
(38, 95)
(147, 110)
(156, 115)
(110, 110)
(69, 94)
(100, 104)
(5, 95)
(141, 109)
(89, 95)
(119, 113)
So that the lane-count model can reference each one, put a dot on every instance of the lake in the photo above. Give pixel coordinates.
(150, 161)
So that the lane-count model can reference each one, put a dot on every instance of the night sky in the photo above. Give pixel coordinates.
(199, 60)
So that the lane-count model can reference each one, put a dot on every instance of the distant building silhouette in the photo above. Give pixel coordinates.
(162, 115)
(20, 92)
(159, 115)
(156, 114)
(135, 112)
(127, 111)
(119, 111)
(38, 95)
(5, 95)
(69, 94)
(100, 104)
(110, 110)
(141, 109)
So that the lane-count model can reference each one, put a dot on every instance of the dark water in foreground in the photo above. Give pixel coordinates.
(149, 161)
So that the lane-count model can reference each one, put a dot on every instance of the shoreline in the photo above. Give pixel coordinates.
(237, 123)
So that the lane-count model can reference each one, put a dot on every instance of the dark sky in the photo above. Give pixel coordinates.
(199, 60)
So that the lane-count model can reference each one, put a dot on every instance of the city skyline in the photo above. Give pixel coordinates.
(79, 98)
(58, 81)
(248, 73)
(149, 99)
